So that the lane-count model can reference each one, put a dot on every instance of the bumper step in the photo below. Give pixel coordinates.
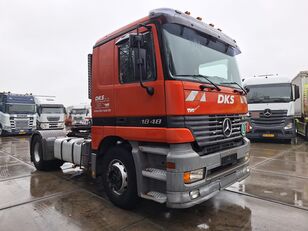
(155, 196)
(154, 173)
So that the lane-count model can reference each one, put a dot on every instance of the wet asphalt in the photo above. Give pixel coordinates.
(273, 197)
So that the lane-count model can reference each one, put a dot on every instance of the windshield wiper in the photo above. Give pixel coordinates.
(205, 77)
(243, 90)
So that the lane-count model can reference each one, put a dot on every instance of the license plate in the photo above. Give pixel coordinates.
(228, 159)
(22, 132)
(268, 135)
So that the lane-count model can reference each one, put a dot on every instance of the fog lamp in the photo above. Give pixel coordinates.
(194, 194)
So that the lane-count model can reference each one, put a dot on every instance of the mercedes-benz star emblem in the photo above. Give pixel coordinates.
(227, 127)
(267, 112)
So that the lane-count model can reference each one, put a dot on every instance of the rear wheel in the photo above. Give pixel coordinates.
(306, 133)
(37, 157)
(119, 177)
(1, 130)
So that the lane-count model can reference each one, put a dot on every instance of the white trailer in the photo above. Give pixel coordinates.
(301, 106)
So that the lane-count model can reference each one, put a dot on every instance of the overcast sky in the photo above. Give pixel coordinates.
(44, 44)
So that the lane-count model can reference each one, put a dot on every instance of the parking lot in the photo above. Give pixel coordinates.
(274, 197)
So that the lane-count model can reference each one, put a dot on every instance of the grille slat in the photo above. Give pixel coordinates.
(277, 117)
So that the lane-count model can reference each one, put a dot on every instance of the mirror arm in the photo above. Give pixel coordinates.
(149, 90)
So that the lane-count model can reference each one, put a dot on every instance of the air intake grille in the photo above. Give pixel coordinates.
(276, 117)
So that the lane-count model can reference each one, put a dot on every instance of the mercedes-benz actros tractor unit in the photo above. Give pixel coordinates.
(17, 114)
(271, 101)
(169, 114)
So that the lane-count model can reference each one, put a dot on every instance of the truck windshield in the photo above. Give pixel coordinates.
(78, 111)
(271, 93)
(20, 108)
(52, 110)
(191, 55)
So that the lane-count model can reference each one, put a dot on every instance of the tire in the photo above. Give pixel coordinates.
(117, 165)
(37, 157)
(306, 133)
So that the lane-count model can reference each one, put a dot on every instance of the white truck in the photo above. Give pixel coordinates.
(271, 103)
(50, 113)
(301, 106)
(17, 114)
(79, 115)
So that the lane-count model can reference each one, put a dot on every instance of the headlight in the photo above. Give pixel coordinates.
(193, 176)
(289, 126)
(44, 126)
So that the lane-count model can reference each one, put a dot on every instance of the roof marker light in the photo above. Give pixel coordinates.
(199, 18)
(187, 12)
(219, 29)
(211, 24)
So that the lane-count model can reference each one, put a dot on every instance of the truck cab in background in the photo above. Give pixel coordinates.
(79, 115)
(301, 105)
(271, 101)
(17, 114)
(50, 113)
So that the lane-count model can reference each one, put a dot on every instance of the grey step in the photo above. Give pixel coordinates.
(155, 196)
(154, 173)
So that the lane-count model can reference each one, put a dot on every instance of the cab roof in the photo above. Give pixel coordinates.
(265, 80)
(172, 16)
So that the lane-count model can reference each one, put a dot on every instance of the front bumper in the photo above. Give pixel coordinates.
(217, 176)
(18, 132)
(277, 132)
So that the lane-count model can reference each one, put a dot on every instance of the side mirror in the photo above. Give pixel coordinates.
(136, 42)
(296, 92)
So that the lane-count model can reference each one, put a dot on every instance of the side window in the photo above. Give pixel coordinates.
(126, 64)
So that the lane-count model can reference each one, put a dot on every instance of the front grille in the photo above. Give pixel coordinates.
(53, 118)
(208, 133)
(77, 118)
(21, 124)
(277, 117)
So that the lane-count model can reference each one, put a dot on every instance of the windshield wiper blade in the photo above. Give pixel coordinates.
(205, 77)
(243, 90)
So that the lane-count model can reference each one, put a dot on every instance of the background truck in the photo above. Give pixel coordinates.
(50, 113)
(79, 115)
(301, 105)
(271, 101)
(169, 114)
(17, 114)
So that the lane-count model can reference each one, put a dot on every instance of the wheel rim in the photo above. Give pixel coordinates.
(36, 152)
(117, 177)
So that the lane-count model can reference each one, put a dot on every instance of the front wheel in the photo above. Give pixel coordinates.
(37, 156)
(119, 177)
